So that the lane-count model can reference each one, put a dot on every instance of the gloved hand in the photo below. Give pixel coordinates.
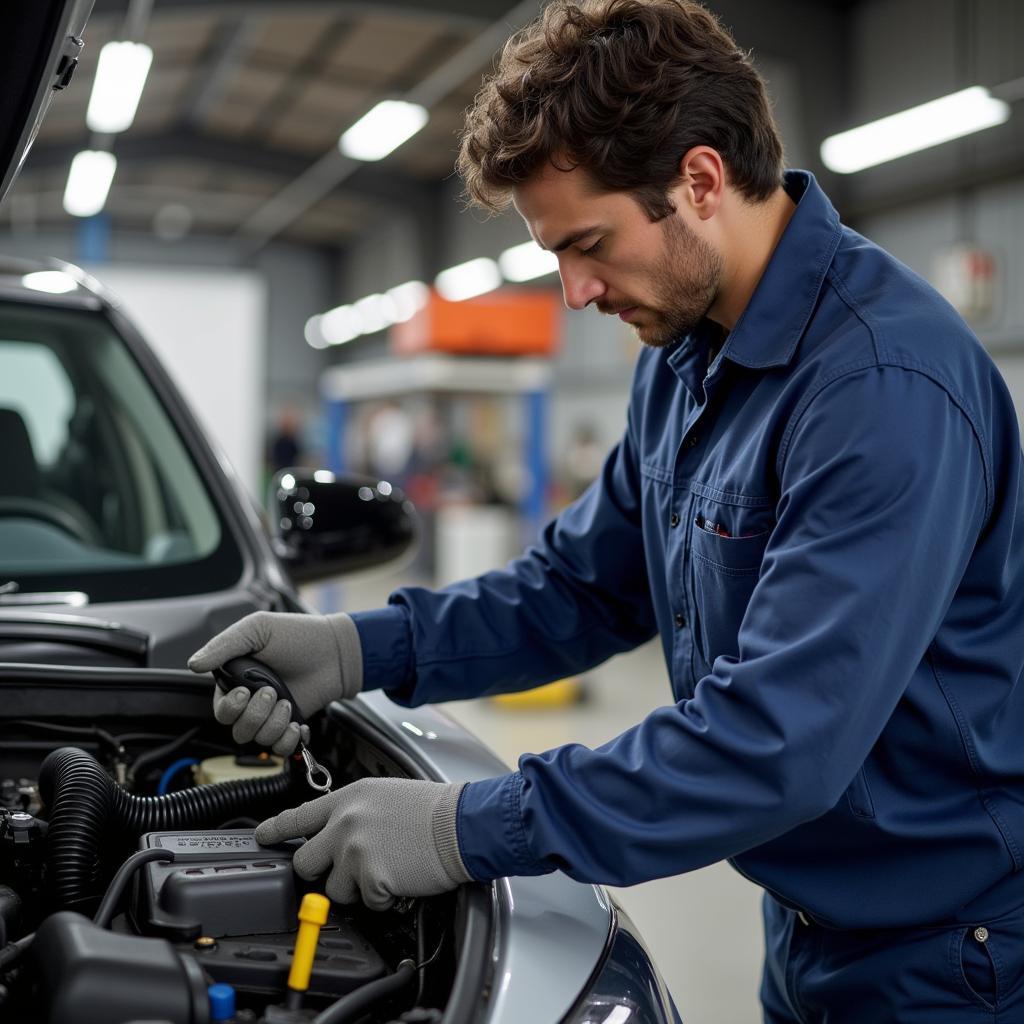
(319, 657)
(380, 838)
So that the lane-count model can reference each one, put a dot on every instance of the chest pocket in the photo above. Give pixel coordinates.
(725, 570)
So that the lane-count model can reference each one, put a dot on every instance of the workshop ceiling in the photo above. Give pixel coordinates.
(243, 98)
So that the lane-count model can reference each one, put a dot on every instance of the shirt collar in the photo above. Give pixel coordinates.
(769, 329)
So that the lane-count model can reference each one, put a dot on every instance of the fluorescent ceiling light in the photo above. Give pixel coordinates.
(921, 127)
(376, 312)
(313, 334)
(468, 279)
(409, 299)
(369, 314)
(56, 282)
(341, 324)
(89, 180)
(527, 261)
(120, 77)
(382, 130)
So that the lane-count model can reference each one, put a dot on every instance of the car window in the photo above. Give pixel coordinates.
(98, 491)
(34, 384)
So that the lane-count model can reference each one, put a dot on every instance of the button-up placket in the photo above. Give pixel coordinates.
(689, 363)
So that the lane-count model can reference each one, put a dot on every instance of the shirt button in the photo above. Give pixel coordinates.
(680, 619)
(692, 441)
(674, 521)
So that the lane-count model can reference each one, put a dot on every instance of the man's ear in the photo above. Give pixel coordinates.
(702, 182)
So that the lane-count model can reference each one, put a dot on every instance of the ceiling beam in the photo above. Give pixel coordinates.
(179, 144)
(219, 63)
(466, 15)
(332, 169)
(307, 68)
(373, 183)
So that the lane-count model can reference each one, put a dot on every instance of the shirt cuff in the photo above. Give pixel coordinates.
(489, 823)
(385, 636)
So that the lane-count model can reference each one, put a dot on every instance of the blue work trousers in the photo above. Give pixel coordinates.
(964, 974)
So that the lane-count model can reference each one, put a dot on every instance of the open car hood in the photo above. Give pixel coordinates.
(40, 41)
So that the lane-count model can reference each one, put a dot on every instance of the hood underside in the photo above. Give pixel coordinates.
(40, 41)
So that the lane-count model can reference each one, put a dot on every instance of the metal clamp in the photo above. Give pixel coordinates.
(313, 769)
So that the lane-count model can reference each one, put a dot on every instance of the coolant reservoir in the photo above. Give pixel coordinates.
(229, 766)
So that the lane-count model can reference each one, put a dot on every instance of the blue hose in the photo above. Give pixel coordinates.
(171, 771)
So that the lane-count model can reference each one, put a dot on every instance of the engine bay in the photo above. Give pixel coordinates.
(132, 887)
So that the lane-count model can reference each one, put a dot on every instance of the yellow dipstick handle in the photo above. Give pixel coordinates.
(312, 917)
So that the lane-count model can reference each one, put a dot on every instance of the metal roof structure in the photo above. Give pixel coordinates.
(245, 102)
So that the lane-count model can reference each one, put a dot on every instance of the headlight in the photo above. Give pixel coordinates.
(628, 988)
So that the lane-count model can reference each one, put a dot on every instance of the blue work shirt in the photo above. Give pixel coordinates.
(825, 528)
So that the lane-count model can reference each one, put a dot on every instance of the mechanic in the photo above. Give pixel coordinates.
(816, 504)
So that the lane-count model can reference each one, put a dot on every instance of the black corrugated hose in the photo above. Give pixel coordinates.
(86, 809)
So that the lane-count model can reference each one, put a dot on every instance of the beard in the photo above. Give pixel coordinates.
(685, 285)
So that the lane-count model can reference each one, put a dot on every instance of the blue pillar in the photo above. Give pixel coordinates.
(335, 413)
(92, 239)
(534, 504)
(329, 595)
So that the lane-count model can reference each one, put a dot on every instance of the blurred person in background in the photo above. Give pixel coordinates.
(390, 442)
(284, 449)
(816, 505)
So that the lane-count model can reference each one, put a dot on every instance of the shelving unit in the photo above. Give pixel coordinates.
(345, 384)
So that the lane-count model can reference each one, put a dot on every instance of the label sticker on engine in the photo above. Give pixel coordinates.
(205, 842)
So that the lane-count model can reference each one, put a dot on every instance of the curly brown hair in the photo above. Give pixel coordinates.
(623, 89)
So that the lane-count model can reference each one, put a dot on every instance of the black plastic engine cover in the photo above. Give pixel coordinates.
(242, 900)
(93, 975)
(220, 883)
(344, 961)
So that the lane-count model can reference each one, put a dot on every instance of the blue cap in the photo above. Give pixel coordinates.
(222, 1001)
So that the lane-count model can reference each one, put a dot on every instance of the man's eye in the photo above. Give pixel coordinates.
(592, 249)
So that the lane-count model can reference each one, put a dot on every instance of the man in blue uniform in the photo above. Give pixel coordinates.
(816, 505)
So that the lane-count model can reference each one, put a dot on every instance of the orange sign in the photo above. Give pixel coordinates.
(519, 322)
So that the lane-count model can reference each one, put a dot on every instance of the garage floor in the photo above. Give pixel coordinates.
(703, 928)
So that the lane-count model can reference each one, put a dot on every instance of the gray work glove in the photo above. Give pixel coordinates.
(381, 839)
(318, 657)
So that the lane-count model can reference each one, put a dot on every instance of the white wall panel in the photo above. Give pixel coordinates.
(208, 326)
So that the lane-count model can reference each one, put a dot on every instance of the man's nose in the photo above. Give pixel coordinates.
(578, 287)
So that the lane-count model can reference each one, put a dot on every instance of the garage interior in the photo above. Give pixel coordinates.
(263, 265)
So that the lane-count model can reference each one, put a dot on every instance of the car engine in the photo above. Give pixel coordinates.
(132, 887)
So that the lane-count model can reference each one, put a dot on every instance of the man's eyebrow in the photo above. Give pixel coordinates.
(574, 237)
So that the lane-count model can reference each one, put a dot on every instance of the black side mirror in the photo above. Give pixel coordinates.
(324, 525)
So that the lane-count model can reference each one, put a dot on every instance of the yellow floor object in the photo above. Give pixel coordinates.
(555, 695)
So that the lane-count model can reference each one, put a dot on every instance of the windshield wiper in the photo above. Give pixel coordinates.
(10, 595)
(52, 628)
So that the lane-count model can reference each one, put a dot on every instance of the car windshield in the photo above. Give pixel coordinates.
(98, 493)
